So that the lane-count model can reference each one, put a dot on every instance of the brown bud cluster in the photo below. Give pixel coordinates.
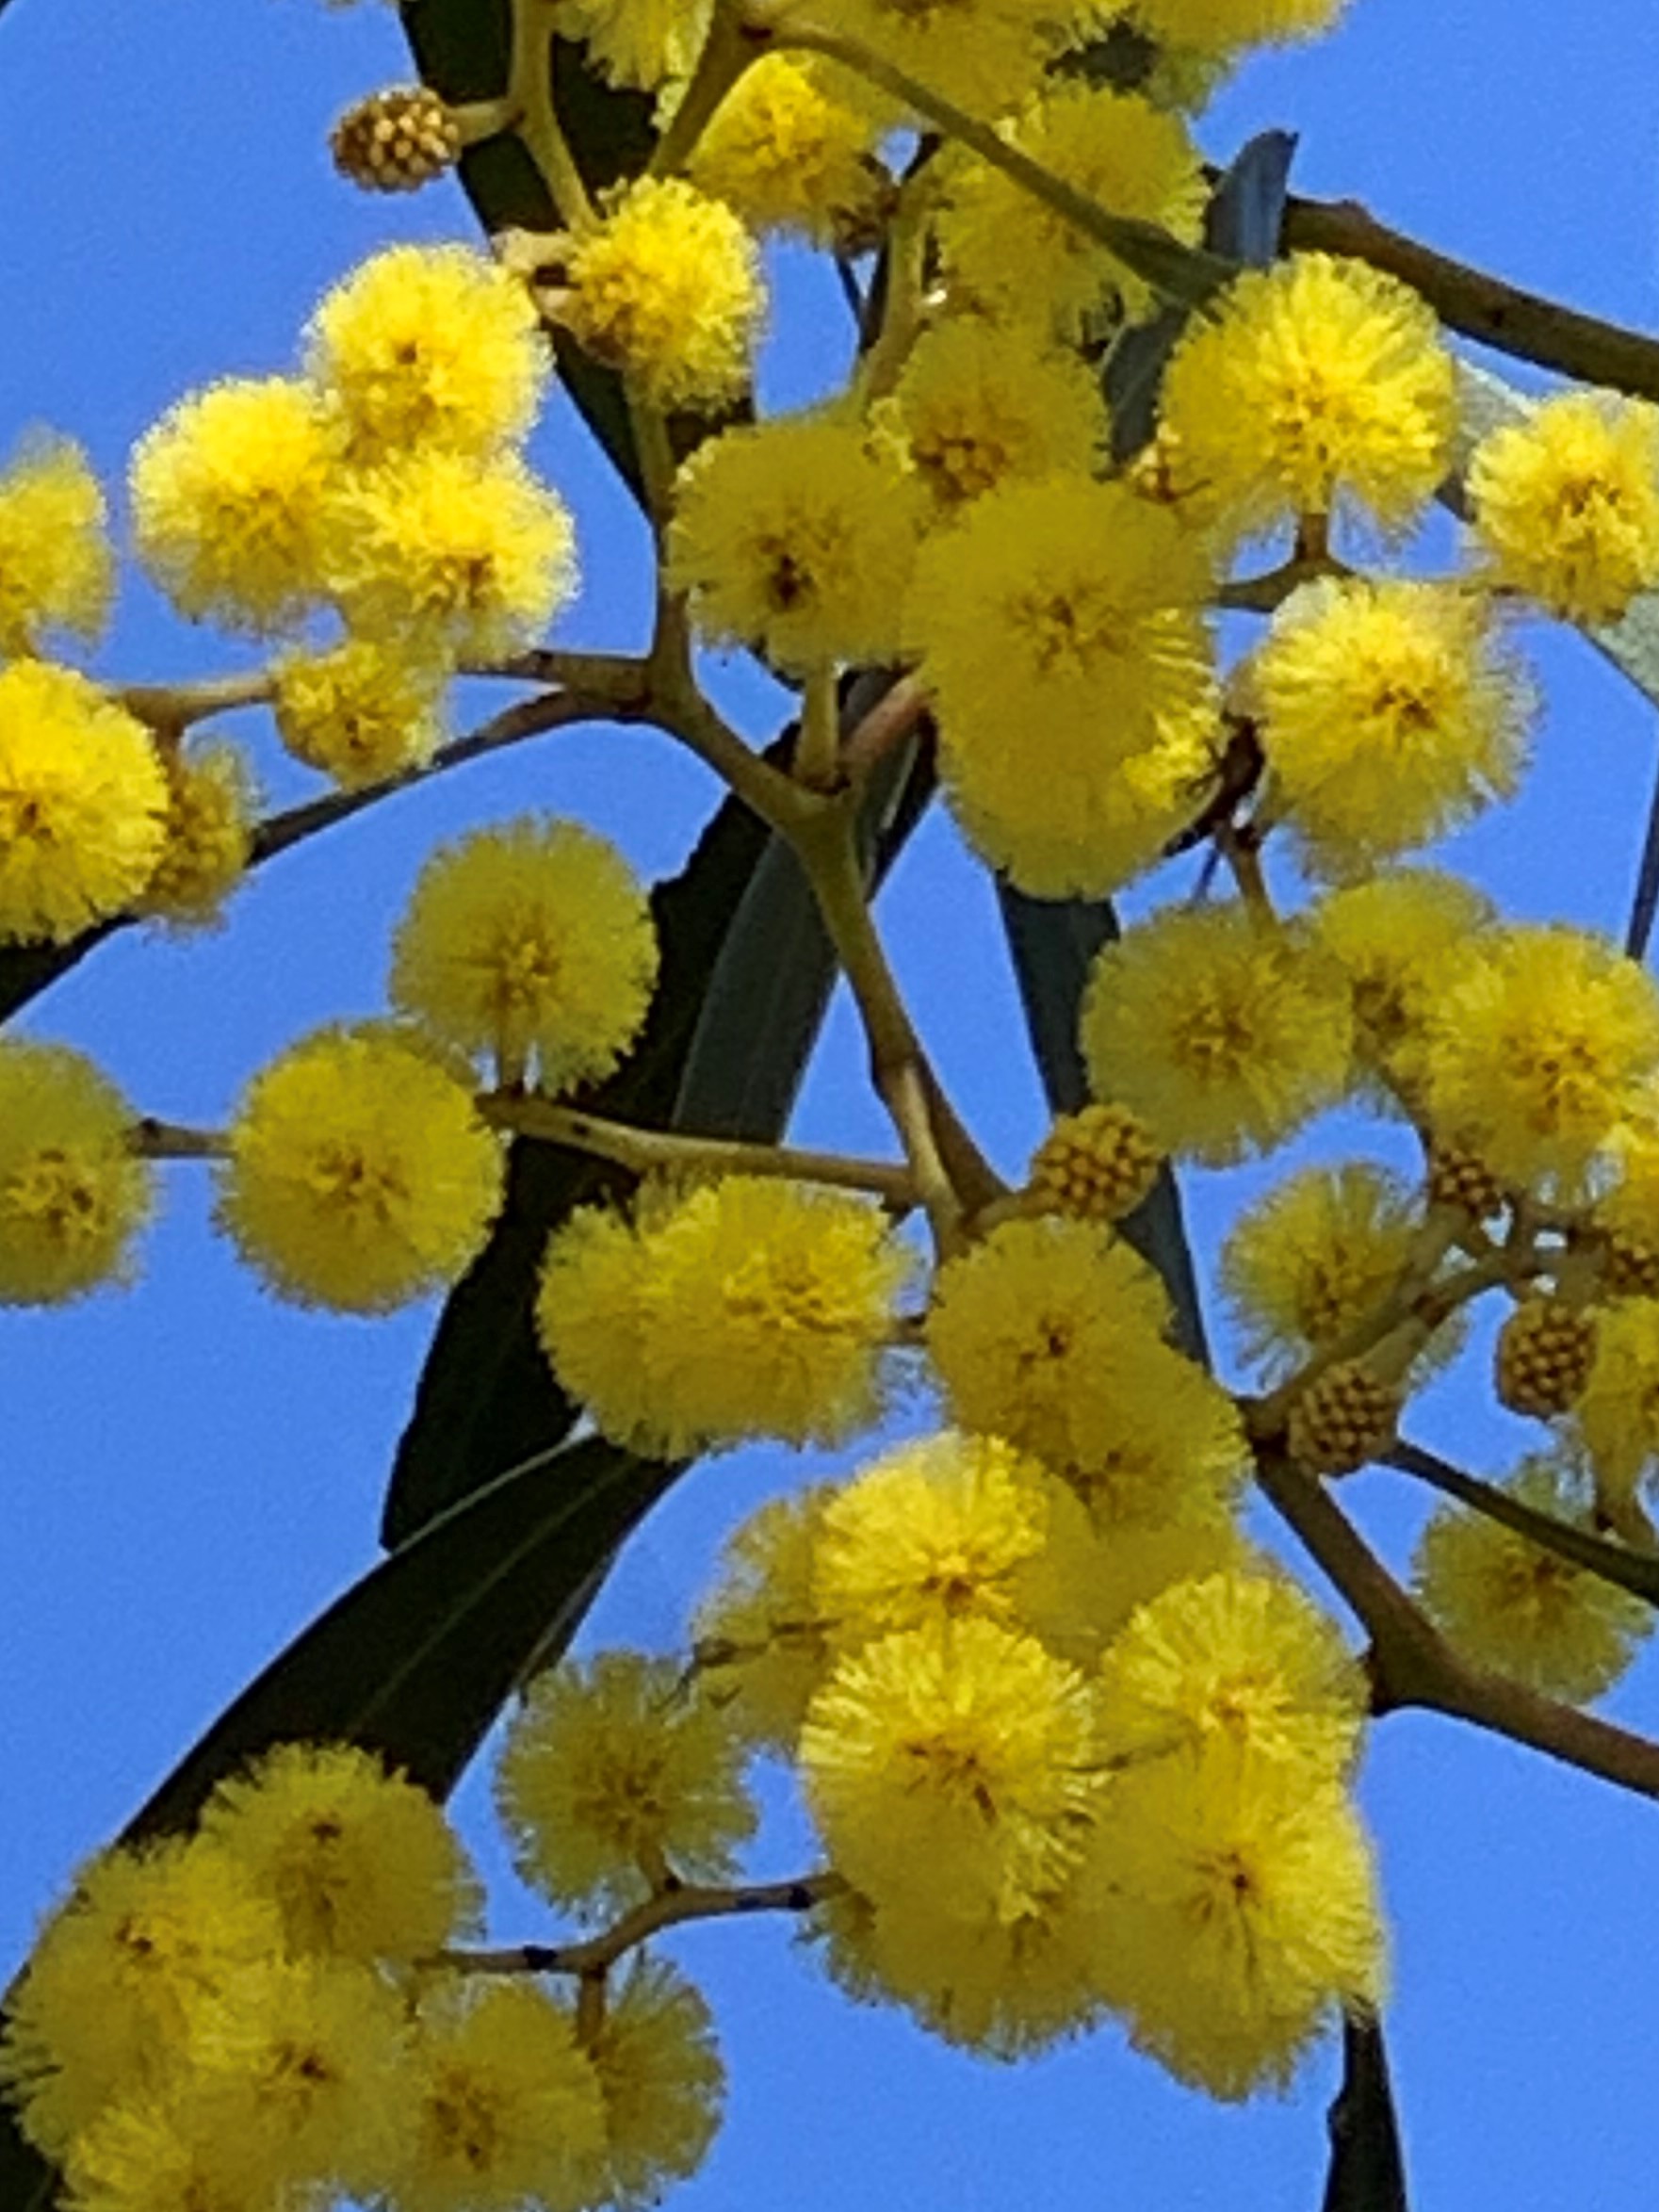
(1343, 1419)
(1095, 1165)
(1459, 1179)
(1545, 1350)
(396, 140)
(1629, 1270)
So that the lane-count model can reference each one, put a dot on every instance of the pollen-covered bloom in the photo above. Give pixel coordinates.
(1225, 1033)
(360, 1862)
(74, 1193)
(1221, 27)
(158, 2150)
(359, 1175)
(362, 710)
(642, 43)
(979, 404)
(953, 1765)
(1389, 715)
(790, 147)
(1239, 1661)
(228, 492)
(504, 2107)
(745, 1307)
(532, 944)
(429, 345)
(661, 2081)
(209, 836)
(797, 537)
(1508, 1604)
(1317, 386)
(1016, 256)
(444, 554)
(984, 54)
(1394, 937)
(613, 1775)
(83, 805)
(1158, 1444)
(951, 1527)
(1566, 504)
(1236, 1908)
(760, 1647)
(105, 2006)
(56, 570)
(1616, 1415)
(666, 289)
(1541, 1047)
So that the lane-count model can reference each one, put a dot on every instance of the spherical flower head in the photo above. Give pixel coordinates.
(1542, 1044)
(1097, 1164)
(105, 2006)
(1141, 1556)
(955, 1766)
(83, 805)
(1316, 386)
(209, 837)
(1222, 26)
(74, 1193)
(444, 554)
(614, 1772)
(984, 55)
(358, 1860)
(1164, 1446)
(1242, 1662)
(1507, 1604)
(642, 43)
(1566, 504)
(1224, 1033)
(666, 289)
(228, 492)
(359, 1175)
(797, 537)
(741, 1307)
(429, 345)
(1628, 1213)
(1389, 716)
(980, 404)
(1016, 256)
(157, 2151)
(363, 711)
(760, 1647)
(1393, 937)
(505, 2105)
(56, 570)
(1617, 1416)
(530, 944)
(662, 2082)
(1032, 1324)
(1236, 1906)
(791, 149)
(951, 1528)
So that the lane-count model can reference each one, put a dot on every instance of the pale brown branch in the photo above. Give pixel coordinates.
(669, 1908)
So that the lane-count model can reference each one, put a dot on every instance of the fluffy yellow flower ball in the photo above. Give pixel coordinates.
(1565, 505)
(1221, 27)
(980, 404)
(1395, 938)
(661, 2080)
(56, 570)
(73, 1191)
(791, 148)
(759, 1647)
(209, 837)
(362, 711)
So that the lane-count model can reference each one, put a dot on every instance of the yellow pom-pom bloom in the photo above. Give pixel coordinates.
(73, 1191)
(1139, 1558)
(1241, 1661)
(1031, 1326)
(799, 539)
(56, 570)
(361, 1864)
(1236, 1907)
(1566, 504)
(359, 1174)
(1307, 1262)
(103, 2010)
(1617, 1416)
(228, 492)
(1393, 938)
(661, 2080)
(613, 1774)
(742, 1308)
(83, 805)
(1221, 27)
(429, 345)
(790, 147)
(1388, 717)
(1509, 1605)
(532, 944)
(156, 2151)
(956, 1766)
(209, 837)
(1014, 255)
(505, 2106)
(984, 54)
(1224, 1035)
(1542, 1044)
(980, 404)
(362, 711)
(666, 289)
(445, 555)
(1163, 1445)
(761, 1649)
(643, 43)
(1318, 383)
(951, 1528)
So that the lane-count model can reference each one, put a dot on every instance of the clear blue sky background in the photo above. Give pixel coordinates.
(190, 1471)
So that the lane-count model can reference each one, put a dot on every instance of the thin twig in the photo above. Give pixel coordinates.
(889, 722)
(669, 1909)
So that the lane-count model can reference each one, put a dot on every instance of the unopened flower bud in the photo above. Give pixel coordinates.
(396, 140)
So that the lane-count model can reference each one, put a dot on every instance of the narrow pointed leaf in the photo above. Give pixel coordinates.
(1367, 2165)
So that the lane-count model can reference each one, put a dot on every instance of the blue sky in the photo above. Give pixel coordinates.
(190, 1471)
